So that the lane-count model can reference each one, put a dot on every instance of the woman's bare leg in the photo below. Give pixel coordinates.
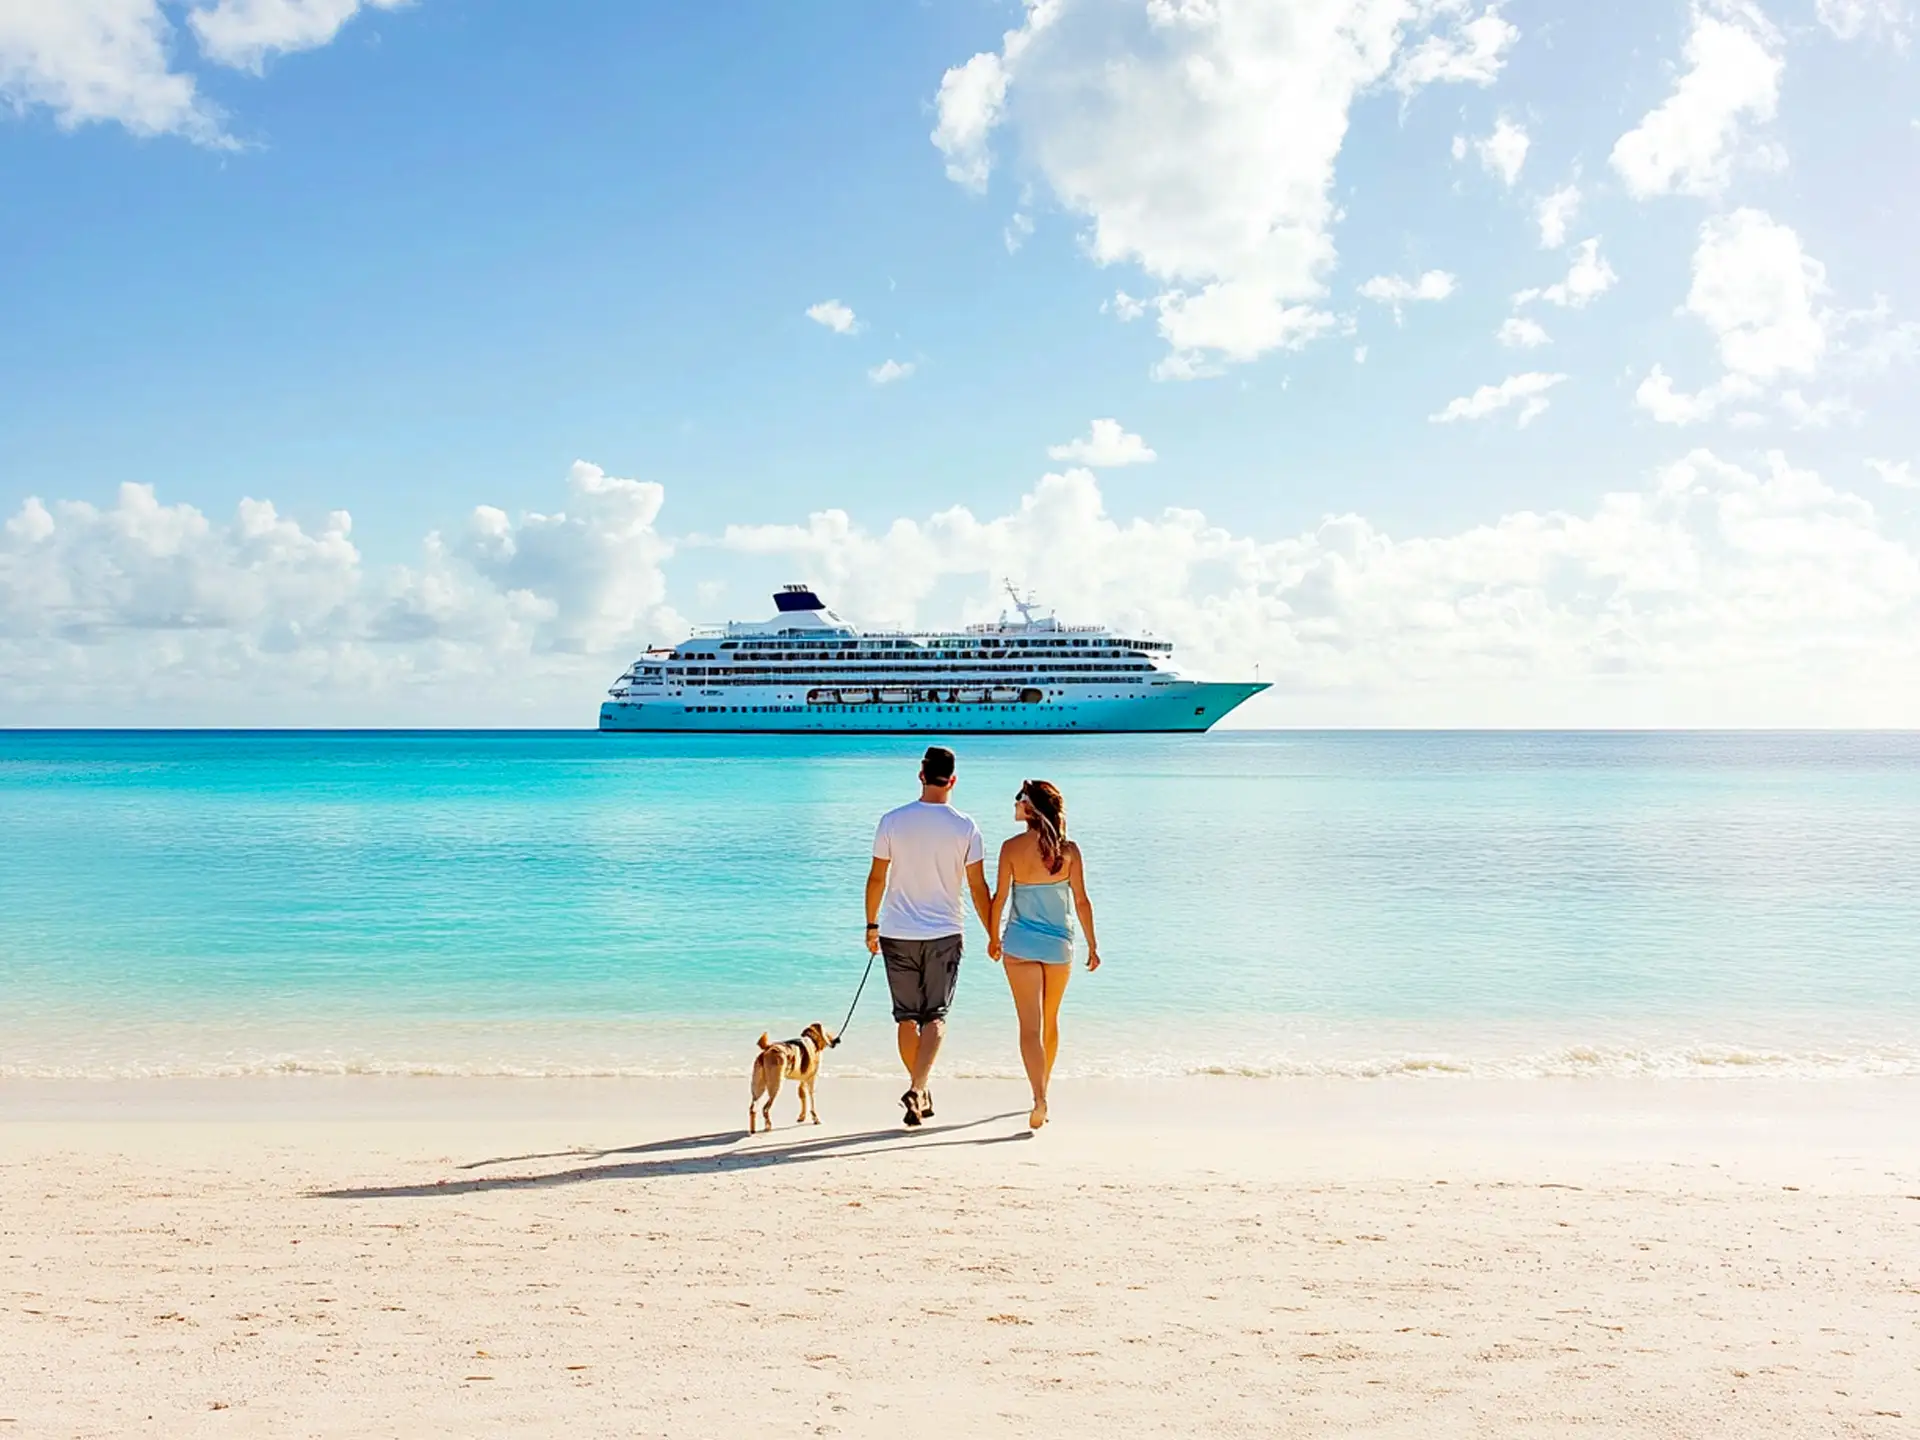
(1055, 986)
(1027, 980)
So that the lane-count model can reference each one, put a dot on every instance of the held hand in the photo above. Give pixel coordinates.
(1093, 959)
(873, 942)
(993, 949)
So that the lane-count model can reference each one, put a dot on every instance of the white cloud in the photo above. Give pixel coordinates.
(1851, 19)
(1688, 144)
(1898, 473)
(1017, 231)
(258, 614)
(1198, 138)
(1669, 406)
(1520, 333)
(836, 317)
(1871, 341)
(1359, 354)
(972, 99)
(244, 33)
(110, 61)
(888, 371)
(1472, 54)
(1554, 213)
(1528, 391)
(1756, 289)
(1459, 147)
(1104, 445)
(1124, 306)
(101, 61)
(1829, 410)
(1588, 278)
(1504, 151)
(1395, 291)
(1759, 294)
(1708, 594)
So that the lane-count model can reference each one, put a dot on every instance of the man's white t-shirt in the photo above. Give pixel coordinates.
(928, 848)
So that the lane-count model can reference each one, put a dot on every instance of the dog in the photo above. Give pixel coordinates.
(787, 1059)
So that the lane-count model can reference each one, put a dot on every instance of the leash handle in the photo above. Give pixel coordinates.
(856, 1003)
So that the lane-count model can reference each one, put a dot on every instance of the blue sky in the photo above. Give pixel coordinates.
(415, 262)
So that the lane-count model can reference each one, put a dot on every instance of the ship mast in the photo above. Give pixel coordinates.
(1025, 607)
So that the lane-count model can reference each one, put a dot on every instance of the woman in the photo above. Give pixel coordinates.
(1040, 871)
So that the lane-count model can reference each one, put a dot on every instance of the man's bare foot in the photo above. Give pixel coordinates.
(1039, 1115)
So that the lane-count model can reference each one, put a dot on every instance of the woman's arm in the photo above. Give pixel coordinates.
(1002, 878)
(1077, 874)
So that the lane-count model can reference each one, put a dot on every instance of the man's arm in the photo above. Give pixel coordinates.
(982, 900)
(1002, 874)
(876, 891)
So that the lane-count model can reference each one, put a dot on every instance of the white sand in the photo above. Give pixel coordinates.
(1420, 1258)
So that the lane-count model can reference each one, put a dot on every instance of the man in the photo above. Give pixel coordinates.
(924, 855)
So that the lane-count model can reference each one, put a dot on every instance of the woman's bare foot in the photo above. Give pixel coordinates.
(1039, 1115)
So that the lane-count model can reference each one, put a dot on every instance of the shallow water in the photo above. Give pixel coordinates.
(1268, 902)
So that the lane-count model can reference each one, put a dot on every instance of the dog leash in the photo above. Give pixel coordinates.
(841, 1032)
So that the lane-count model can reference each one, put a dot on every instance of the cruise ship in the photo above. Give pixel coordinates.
(808, 670)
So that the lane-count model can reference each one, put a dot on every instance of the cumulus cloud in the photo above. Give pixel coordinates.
(102, 61)
(1504, 151)
(1760, 295)
(1554, 213)
(1198, 138)
(1588, 278)
(1528, 391)
(245, 33)
(1706, 593)
(1520, 333)
(164, 601)
(836, 317)
(887, 372)
(1851, 19)
(1688, 143)
(111, 61)
(1897, 473)
(1471, 54)
(1395, 291)
(1104, 445)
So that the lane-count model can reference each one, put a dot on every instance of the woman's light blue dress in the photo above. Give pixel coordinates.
(1040, 923)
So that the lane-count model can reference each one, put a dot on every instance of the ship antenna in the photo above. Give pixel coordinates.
(1025, 607)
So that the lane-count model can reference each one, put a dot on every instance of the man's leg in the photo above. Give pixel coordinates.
(929, 1051)
(908, 991)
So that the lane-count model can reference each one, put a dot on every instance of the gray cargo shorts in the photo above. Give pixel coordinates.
(921, 975)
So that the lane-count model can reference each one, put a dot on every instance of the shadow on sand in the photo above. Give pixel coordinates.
(755, 1157)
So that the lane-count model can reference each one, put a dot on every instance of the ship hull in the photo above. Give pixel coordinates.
(1190, 706)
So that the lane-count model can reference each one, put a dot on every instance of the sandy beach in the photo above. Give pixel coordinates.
(360, 1258)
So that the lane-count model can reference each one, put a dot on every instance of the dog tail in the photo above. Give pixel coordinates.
(765, 1044)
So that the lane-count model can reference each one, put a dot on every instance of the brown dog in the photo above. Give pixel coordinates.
(788, 1059)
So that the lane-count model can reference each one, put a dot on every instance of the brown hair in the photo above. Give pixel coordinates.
(1047, 810)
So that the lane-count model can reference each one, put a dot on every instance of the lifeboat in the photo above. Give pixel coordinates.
(896, 695)
(1004, 694)
(856, 697)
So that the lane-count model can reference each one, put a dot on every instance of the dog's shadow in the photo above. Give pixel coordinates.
(754, 1157)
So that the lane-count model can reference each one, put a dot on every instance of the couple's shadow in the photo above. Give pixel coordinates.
(741, 1156)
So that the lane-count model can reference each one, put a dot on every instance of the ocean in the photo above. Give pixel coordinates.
(1269, 903)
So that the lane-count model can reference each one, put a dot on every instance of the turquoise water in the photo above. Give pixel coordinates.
(1275, 903)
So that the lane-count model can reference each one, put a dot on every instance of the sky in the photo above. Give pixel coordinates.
(395, 362)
